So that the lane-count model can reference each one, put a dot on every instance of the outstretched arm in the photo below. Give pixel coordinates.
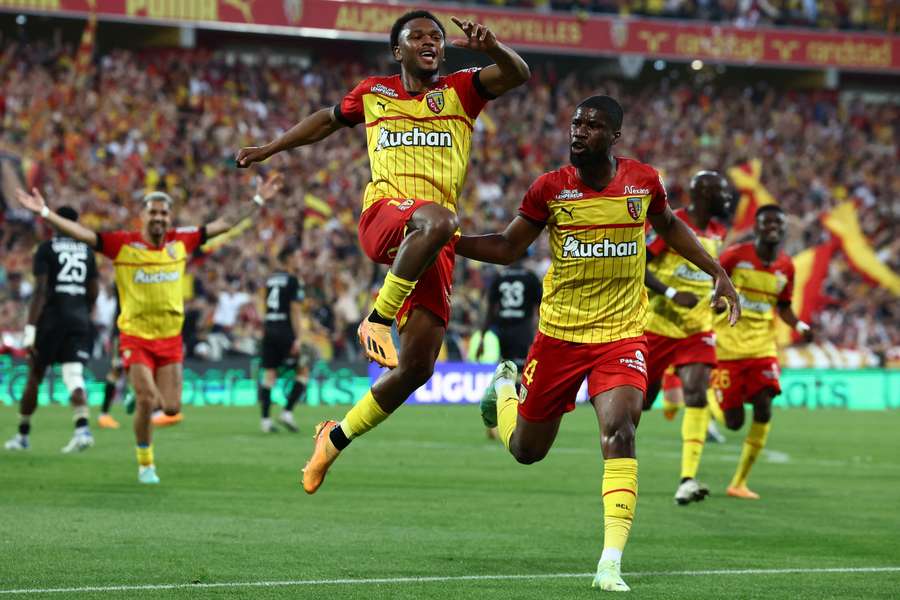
(265, 191)
(791, 320)
(681, 239)
(500, 248)
(36, 204)
(509, 69)
(310, 130)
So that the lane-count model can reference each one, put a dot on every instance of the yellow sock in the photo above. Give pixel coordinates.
(712, 404)
(619, 501)
(392, 294)
(145, 455)
(363, 417)
(507, 411)
(753, 445)
(693, 436)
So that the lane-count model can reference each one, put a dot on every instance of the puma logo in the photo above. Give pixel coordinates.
(382, 105)
(568, 211)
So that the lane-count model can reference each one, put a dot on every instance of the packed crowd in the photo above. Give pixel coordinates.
(173, 121)
(876, 15)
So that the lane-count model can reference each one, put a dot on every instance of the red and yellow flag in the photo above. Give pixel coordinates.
(316, 212)
(746, 178)
(843, 223)
(86, 48)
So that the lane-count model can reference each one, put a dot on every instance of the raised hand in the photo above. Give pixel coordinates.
(33, 201)
(270, 187)
(251, 154)
(478, 36)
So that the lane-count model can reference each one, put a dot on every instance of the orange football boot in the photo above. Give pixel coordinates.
(377, 342)
(164, 420)
(324, 453)
(107, 422)
(742, 491)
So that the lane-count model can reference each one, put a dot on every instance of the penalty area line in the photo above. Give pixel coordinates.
(433, 579)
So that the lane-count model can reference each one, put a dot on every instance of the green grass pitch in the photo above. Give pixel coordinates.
(427, 496)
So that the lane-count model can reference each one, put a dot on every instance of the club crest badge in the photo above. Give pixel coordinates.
(171, 250)
(634, 208)
(435, 101)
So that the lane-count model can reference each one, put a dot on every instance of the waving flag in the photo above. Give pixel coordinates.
(843, 223)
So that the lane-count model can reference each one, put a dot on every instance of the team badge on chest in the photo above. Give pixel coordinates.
(435, 101)
(634, 208)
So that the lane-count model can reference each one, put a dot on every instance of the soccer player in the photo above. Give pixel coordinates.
(679, 330)
(748, 364)
(513, 297)
(419, 130)
(281, 341)
(58, 329)
(149, 266)
(594, 307)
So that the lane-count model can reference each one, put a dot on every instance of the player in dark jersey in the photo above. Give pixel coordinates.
(281, 344)
(59, 330)
(513, 297)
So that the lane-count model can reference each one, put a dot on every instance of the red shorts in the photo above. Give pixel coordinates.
(664, 351)
(740, 380)
(555, 369)
(382, 228)
(152, 353)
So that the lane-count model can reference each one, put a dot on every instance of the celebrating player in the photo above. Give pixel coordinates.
(593, 309)
(513, 297)
(419, 129)
(679, 330)
(149, 266)
(58, 329)
(281, 341)
(748, 367)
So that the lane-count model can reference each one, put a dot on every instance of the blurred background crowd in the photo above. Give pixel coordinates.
(824, 14)
(174, 119)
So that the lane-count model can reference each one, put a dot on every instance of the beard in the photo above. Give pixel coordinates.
(586, 159)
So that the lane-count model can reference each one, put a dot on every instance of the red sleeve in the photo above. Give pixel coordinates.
(350, 110)
(110, 242)
(655, 244)
(658, 198)
(534, 204)
(729, 258)
(191, 237)
(471, 92)
(787, 293)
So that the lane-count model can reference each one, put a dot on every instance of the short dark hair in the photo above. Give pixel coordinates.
(608, 106)
(403, 20)
(286, 252)
(768, 208)
(67, 212)
(158, 196)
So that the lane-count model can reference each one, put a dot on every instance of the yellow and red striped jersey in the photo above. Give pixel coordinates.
(150, 279)
(760, 288)
(418, 143)
(594, 291)
(666, 317)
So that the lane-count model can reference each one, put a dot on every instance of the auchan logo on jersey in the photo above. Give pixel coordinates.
(416, 137)
(605, 248)
(142, 276)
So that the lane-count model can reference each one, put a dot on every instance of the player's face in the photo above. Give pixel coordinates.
(718, 193)
(420, 47)
(590, 137)
(771, 226)
(156, 218)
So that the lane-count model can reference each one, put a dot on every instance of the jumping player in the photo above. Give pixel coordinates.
(281, 341)
(419, 130)
(58, 329)
(748, 364)
(679, 330)
(593, 309)
(149, 266)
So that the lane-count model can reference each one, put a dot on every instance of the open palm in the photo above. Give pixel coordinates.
(33, 201)
(270, 187)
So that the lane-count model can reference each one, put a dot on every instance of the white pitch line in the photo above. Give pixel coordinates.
(393, 580)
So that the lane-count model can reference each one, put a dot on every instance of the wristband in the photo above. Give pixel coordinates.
(44, 212)
(28, 336)
(670, 292)
(801, 327)
(259, 200)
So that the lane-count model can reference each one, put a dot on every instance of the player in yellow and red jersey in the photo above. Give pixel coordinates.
(679, 330)
(149, 266)
(419, 128)
(593, 310)
(748, 364)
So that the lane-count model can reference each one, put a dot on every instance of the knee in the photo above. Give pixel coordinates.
(441, 226)
(734, 420)
(527, 456)
(619, 435)
(762, 414)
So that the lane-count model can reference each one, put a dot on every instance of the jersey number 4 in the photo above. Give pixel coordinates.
(528, 373)
(74, 268)
(272, 301)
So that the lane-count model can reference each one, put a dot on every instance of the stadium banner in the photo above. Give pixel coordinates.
(571, 34)
(232, 382)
